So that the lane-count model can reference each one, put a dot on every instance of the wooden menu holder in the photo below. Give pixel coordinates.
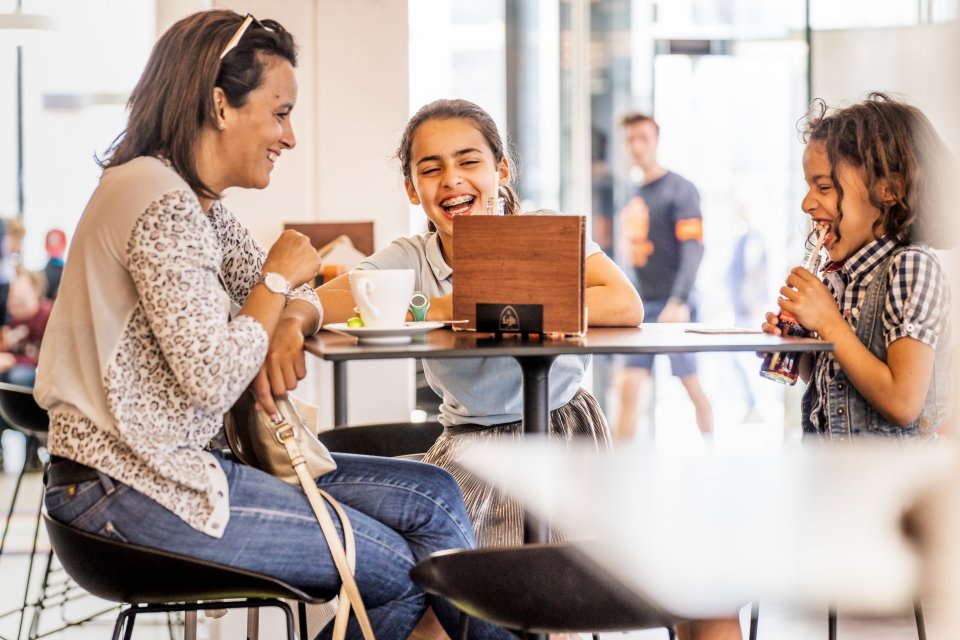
(520, 274)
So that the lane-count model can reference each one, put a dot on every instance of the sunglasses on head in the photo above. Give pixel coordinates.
(242, 29)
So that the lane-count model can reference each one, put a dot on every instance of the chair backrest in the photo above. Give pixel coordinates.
(21, 412)
(389, 440)
(320, 233)
(122, 572)
(542, 588)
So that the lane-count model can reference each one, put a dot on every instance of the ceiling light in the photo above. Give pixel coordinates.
(18, 27)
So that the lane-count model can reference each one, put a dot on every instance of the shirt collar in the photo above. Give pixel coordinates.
(862, 263)
(441, 270)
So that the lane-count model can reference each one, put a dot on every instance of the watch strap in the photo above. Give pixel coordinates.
(419, 311)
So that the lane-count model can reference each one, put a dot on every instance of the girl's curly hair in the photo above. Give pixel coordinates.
(902, 159)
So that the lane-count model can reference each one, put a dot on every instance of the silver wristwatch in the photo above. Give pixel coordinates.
(275, 282)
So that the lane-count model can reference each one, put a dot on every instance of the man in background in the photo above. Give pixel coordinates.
(663, 232)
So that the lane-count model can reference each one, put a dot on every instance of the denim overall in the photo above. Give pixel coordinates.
(848, 414)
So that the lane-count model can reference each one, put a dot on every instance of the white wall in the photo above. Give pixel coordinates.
(917, 62)
(351, 109)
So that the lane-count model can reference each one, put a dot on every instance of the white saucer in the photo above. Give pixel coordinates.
(397, 335)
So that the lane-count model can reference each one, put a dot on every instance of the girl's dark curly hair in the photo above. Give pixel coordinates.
(900, 155)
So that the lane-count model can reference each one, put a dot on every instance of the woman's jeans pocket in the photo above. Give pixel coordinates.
(85, 505)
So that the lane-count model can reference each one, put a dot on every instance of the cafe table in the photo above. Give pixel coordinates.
(535, 357)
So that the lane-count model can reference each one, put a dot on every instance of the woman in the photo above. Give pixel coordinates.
(141, 359)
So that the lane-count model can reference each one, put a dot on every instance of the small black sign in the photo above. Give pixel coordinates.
(509, 318)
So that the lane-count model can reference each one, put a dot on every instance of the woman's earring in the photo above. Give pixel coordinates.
(221, 125)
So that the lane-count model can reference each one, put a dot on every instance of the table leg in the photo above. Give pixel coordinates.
(339, 393)
(536, 419)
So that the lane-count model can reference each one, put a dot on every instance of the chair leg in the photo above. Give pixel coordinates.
(41, 602)
(131, 620)
(253, 623)
(832, 623)
(463, 626)
(118, 625)
(671, 633)
(33, 553)
(13, 504)
(190, 625)
(302, 615)
(921, 627)
(754, 619)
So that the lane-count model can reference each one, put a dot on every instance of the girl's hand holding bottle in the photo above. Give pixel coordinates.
(785, 367)
(808, 300)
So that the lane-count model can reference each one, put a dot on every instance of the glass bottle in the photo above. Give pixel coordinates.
(784, 366)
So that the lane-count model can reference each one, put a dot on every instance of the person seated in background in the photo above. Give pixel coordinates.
(27, 314)
(56, 246)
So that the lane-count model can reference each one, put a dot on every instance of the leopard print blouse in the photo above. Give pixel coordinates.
(178, 362)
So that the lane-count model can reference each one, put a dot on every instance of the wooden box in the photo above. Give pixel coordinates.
(520, 274)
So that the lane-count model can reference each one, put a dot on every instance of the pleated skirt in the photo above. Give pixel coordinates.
(498, 520)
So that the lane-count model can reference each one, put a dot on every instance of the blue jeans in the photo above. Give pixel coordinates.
(681, 364)
(401, 511)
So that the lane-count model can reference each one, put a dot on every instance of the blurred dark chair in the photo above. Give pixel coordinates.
(391, 440)
(538, 588)
(20, 412)
(151, 581)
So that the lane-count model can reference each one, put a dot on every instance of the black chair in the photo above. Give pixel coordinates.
(391, 440)
(20, 412)
(832, 622)
(150, 581)
(539, 588)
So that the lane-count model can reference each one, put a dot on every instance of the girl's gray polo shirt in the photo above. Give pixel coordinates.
(482, 391)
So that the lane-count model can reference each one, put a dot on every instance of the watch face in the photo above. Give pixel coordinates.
(419, 299)
(275, 282)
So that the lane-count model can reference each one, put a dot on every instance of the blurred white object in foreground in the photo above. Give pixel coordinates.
(702, 535)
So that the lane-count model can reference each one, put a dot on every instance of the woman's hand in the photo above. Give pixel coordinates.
(284, 366)
(809, 301)
(293, 257)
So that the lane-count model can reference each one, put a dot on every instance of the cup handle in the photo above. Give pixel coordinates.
(363, 293)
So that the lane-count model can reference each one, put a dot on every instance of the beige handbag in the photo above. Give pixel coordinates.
(290, 451)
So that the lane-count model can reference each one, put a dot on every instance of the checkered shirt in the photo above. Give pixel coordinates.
(917, 303)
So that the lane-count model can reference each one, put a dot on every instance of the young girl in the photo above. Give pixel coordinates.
(453, 160)
(871, 170)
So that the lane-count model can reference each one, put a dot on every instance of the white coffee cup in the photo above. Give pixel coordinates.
(382, 296)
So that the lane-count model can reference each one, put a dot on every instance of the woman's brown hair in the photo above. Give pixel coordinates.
(466, 110)
(173, 100)
(900, 155)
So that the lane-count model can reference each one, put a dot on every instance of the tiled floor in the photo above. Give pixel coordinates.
(775, 623)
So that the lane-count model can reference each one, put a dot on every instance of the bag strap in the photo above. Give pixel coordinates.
(345, 560)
